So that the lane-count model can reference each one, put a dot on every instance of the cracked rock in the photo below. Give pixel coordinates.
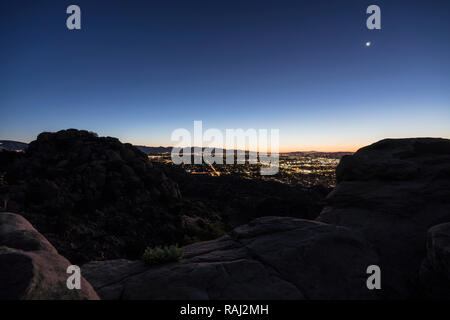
(270, 258)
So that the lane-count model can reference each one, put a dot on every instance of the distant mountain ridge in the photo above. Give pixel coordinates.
(161, 150)
(13, 145)
(154, 150)
(336, 154)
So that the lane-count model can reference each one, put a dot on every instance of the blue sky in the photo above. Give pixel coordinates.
(140, 69)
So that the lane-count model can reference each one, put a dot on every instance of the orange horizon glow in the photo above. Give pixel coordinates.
(282, 149)
(352, 149)
(343, 148)
(327, 148)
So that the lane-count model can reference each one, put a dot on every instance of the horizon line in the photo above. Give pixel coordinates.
(246, 150)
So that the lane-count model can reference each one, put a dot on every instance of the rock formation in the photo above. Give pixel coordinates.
(96, 198)
(391, 208)
(393, 191)
(270, 258)
(435, 270)
(92, 197)
(30, 267)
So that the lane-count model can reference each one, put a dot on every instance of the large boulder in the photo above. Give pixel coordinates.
(392, 192)
(92, 197)
(435, 270)
(270, 258)
(30, 267)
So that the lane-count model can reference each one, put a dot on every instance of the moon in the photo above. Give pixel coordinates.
(368, 44)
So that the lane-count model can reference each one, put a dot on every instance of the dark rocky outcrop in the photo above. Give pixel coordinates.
(392, 192)
(30, 267)
(270, 258)
(96, 198)
(391, 208)
(92, 197)
(435, 270)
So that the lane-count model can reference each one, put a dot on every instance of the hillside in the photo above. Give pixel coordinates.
(13, 145)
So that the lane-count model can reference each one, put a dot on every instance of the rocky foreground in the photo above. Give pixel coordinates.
(391, 208)
(270, 258)
(30, 267)
(392, 192)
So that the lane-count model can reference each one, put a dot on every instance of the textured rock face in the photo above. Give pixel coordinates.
(435, 271)
(270, 258)
(392, 192)
(30, 267)
(439, 248)
(92, 197)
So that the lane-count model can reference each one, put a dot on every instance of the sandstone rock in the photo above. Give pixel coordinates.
(392, 192)
(270, 258)
(30, 267)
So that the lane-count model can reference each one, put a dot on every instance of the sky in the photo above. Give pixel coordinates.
(138, 70)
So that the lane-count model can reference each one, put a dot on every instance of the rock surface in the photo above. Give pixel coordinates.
(270, 258)
(392, 192)
(30, 267)
(92, 197)
(435, 271)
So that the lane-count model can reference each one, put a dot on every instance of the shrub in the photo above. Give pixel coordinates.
(165, 254)
(187, 239)
(209, 231)
(213, 230)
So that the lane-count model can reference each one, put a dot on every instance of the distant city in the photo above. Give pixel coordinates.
(295, 168)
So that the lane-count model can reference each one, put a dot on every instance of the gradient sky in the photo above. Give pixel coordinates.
(140, 69)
